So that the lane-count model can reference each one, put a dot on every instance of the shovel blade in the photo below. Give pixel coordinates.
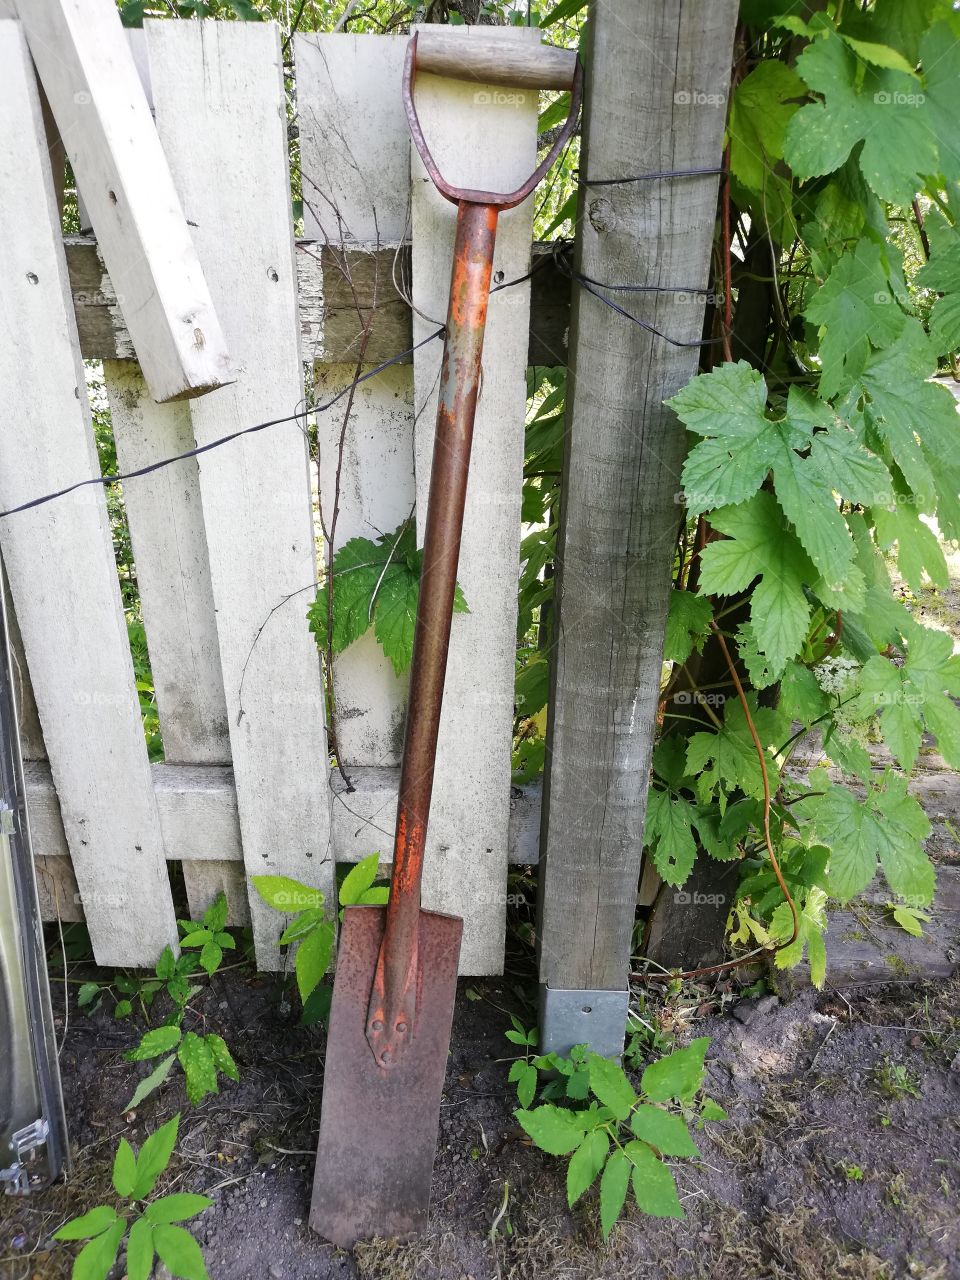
(378, 1126)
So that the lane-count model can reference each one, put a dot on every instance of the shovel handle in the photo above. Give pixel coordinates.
(498, 59)
(522, 64)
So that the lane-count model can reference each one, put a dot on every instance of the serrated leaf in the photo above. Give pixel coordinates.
(284, 894)
(180, 1252)
(124, 1169)
(396, 616)
(167, 964)
(313, 959)
(908, 921)
(524, 1076)
(857, 310)
(140, 1250)
(196, 938)
(87, 1225)
(95, 1259)
(678, 1075)
(762, 105)
(688, 623)
(358, 879)
(887, 824)
(653, 1185)
(919, 551)
(210, 956)
(585, 1164)
(942, 273)
(553, 1129)
(881, 108)
(610, 1085)
(879, 55)
(87, 993)
(198, 1067)
(159, 1040)
(215, 916)
(304, 923)
(155, 1156)
(222, 1057)
(726, 760)
(669, 837)
(759, 544)
(728, 407)
(177, 1208)
(613, 1190)
(153, 1081)
(664, 1130)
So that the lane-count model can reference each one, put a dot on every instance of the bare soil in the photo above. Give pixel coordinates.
(829, 1165)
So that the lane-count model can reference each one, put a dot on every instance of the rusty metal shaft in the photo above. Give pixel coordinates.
(392, 1011)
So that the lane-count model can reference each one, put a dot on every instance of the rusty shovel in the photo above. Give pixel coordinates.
(397, 965)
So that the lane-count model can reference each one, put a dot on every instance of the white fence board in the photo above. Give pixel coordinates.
(60, 558)
(218, 94)
(200, 824)
(356, 187)
(169, 543)
(91, 83)
(481, 137)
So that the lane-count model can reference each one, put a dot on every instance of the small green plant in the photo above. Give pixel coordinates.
(375, 584)
(894, 1080)
(312, 930)
(910, 919)
(852, 1172)
(202, 1057)
(523, 1072)
(620, 1136)
(152, 1223)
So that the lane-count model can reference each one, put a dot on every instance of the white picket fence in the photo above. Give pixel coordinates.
(225, 545)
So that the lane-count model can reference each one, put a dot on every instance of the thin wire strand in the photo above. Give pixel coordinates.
(565, 268)
(650, 177)
(114, 477)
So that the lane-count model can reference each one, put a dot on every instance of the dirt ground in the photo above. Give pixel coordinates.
(830, 1164)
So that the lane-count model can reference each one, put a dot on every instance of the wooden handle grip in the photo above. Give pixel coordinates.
(522, 64)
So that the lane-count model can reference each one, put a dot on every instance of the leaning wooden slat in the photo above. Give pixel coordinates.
(173, 571)
(176, 597)
(356, 193)
(91, 82)
(218, 93)
(60, 557)
(481, 138)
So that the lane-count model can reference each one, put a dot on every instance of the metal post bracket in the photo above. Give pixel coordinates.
(597, 1019)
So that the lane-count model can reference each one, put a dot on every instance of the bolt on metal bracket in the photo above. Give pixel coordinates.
(25, 1142)
(597, 1019)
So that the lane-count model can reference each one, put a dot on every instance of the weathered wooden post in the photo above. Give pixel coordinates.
(658, 75)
